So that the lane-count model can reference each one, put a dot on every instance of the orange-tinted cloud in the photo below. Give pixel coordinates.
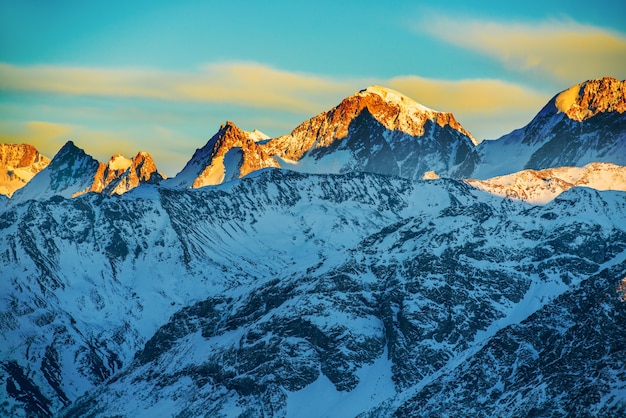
(245, 84)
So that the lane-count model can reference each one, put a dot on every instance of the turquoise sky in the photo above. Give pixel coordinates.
(119, 77)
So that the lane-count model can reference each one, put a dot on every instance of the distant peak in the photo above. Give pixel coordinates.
(403, 113)
(584, 100)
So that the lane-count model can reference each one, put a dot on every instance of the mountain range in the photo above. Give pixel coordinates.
(376, 261)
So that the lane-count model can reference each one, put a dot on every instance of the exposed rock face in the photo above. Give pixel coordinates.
(121, 174)
(391, 109)
(376, 130)
(18, 165)
(230, 154)
(581, 125)
(585, 100)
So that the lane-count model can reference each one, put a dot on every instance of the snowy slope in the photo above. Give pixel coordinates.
(70, 173)
(416, 301)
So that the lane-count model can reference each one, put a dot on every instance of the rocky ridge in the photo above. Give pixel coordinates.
(377, 130)
(121, 174)
(391, 109)
(381, 131)
(584, 101)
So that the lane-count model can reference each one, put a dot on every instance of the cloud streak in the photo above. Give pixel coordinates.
(562, 49)
(240, 83)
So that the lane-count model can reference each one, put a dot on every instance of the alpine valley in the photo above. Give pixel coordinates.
(375, 262)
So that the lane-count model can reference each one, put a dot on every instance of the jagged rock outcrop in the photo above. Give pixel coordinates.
(122, 174)
(18, 165)
(586, 100)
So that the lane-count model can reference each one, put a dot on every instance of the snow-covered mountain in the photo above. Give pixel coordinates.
(583, 124)
(542, 186)
(305, 295)
(18, 165)
(72, 173)
(376, 130)
(230, 154)
(381, 131)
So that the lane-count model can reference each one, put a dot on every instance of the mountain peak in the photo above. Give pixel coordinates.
(71, 154)
(257, 135)
(585, 100)
(393, 110)
(229, 154)
(122, 174)
(399, 112)
(228, 125)
(394, 97)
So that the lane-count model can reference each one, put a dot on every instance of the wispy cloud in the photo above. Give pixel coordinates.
(244, 84)
(559, 48)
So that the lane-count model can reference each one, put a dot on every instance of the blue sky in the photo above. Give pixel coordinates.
(162, 76)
